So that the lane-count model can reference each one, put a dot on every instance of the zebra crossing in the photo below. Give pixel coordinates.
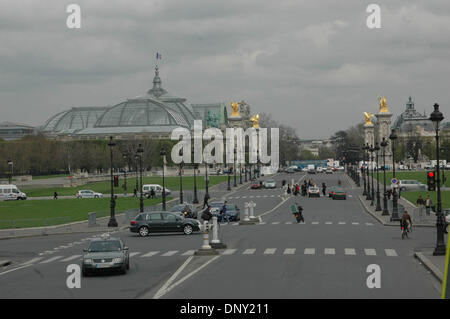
(387, 252)
(270, 196)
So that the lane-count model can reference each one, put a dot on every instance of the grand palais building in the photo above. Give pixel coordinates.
(151, 115)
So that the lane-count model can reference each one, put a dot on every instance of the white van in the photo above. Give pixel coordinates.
(156, 187)
(11, 192)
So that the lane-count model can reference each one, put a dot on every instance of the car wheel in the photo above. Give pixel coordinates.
(187, 229)
(143, 231)
(96, 196)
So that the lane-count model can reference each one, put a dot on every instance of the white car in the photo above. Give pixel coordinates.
(156, 187)
(329, 170)
(270, 184)
(87, 193)
(313, 191)
(411, 185)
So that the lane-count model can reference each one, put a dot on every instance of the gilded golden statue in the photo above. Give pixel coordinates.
(383, 104)
(368, 117)
(235, 109)
(255, 120)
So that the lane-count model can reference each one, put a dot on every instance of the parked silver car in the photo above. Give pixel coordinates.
(411, 185)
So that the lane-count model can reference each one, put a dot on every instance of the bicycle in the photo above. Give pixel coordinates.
(404, 232)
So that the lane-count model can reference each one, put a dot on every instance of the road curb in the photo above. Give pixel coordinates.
(430, 266)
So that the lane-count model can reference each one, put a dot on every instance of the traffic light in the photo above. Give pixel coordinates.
(116, 181)
(431, 181)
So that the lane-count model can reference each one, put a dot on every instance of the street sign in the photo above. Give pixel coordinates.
(394, 181)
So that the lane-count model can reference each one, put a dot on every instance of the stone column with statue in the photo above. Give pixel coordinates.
(384, 127)
(369, 128)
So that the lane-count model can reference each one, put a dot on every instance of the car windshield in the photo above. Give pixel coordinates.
(104, 246)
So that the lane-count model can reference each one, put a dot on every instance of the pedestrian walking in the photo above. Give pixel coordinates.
(420, 201)
(288, 189)
(135, 193)
(55, 195)
(152, 193)
(205, 200)
(324, 189)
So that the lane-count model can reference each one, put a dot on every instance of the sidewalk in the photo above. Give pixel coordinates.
(435, 264)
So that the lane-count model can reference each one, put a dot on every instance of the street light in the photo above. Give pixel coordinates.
(383, 144)
(112, 219)
(11, 169)
(163, 154)
(394, 216)
(240, 173)
(372, 195)
(140, 152)
(207, 180)
(234, 168)
(378, 208)
(125, 157)
(436, 117)
(181, 177)
(367, 148)
(195, 201)
(363, 170)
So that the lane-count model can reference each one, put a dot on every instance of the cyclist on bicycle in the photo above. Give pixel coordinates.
(405, 221)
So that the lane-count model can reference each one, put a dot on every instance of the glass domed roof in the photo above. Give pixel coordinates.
(75, 119)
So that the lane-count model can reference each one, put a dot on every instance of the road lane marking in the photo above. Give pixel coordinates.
(315, 223)
(328, 223)
(150, 254)
(370, 252)
(341, 223)
(11, 270)
(369, 224)
(70, 258)
(350, 251)
(310, 251)
(355, 223)
(170, 253)
(229, 251)
(275, 223)
(32, 261)
(269, 251)
(163, 290)
(329, 251)
(134, 254)
(249, 251)
(262, 223)
(391, 252)
(188, 253)
(51, 259)
(289, 251)
(288, 223)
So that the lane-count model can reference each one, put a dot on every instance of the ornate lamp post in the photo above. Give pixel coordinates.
(436, 117)
(228, 172)
(240, 173)
(372, 195)
(368, 196)
(363, 170)
(246, 171)
(139, 153)
(181, 178)
(394, 216)
(195, 201)
(385, 208)
(11, 169)
(163, 154)
(112, 219)
(125, 157)
(207, 179)
(234, 168)
(136, 165)
(378, 208)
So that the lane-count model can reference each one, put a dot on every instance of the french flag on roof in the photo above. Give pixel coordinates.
(158, 56)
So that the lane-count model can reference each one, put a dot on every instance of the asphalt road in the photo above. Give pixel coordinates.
(326, 257)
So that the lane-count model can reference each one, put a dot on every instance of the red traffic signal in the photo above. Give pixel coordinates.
(431, 174)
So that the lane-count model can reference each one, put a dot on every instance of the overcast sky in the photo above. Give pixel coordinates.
(312, 64)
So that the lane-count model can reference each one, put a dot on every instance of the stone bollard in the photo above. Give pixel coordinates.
(247, 220)
(252, 205)
(246, 212)
(92, 218)
(215, 242)
(206, 249)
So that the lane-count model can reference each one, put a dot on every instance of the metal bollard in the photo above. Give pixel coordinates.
(215, 242)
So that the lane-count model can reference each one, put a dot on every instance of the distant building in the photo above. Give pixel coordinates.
(14, 131)
(154, 114)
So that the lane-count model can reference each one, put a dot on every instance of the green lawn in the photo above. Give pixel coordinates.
(172, 183)
(54, 210)
(420, 176)
(413, 196)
